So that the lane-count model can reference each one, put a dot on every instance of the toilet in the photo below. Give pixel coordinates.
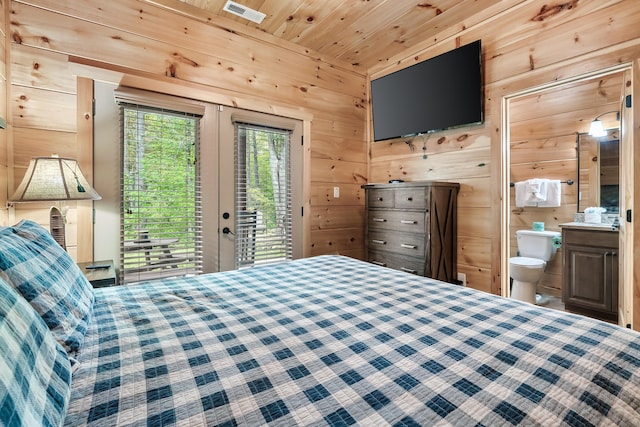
(535, 248)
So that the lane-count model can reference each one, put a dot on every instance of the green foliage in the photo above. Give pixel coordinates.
(264, 149)
(159, 174)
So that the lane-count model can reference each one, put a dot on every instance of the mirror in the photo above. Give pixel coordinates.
(599, 171)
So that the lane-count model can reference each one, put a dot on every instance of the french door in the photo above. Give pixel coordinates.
(260, 173)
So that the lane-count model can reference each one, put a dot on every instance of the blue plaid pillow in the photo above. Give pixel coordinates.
(49, 279)
(35, 373)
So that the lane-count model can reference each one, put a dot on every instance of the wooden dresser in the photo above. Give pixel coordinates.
(412, 226)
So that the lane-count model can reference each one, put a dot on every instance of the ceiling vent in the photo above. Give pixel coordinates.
(244, 12)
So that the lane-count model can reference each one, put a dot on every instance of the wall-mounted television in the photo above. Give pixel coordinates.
(436, 94)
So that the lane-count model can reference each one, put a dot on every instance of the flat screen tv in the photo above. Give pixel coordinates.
(440, 93)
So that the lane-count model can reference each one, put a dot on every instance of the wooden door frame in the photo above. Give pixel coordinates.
(505, 178)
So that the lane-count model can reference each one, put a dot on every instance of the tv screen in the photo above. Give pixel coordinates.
(436, 94)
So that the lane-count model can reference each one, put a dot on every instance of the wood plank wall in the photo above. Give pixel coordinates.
(544, 129)
(208, 56)
(4, 133)
(532, 44)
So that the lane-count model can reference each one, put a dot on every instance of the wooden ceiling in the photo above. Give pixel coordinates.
(364, 33)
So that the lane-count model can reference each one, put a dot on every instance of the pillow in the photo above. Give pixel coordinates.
(35, 373)
(49, 279)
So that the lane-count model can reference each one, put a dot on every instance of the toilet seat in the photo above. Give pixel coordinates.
(526, 262)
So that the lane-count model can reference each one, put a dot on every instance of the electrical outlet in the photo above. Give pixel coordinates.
(462, 278)
(336, 192)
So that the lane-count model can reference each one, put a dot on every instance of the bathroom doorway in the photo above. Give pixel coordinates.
(541, 125)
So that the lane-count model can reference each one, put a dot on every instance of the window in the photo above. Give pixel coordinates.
(160, 193)
(263, 194)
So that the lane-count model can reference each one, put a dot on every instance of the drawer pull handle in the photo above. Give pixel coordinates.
(406, 221)
(379, 220)
(409, 270)
(410, 199)
(380, 199)
(407, 246)
(380, 263)
(378, 242)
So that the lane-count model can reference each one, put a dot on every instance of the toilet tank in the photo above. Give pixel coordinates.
(536, 244)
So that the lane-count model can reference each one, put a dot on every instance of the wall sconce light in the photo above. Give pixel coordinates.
(54, 179)
(596, 129)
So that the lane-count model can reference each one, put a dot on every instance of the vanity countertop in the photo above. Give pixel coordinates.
(588, 226)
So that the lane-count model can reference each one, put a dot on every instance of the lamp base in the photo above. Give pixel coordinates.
(57, 227)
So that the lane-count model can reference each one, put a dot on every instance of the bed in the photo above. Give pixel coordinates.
(327, 340)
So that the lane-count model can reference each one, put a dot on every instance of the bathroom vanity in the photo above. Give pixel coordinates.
(590, 269)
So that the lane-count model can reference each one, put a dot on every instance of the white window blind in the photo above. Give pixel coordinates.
(161, 217)
(263, 194)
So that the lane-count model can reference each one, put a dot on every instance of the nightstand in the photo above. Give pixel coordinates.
(99, 277)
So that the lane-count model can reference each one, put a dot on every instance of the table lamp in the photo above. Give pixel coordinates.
(54, 179)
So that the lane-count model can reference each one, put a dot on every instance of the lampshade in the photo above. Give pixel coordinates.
(596, 129)
(54, 179)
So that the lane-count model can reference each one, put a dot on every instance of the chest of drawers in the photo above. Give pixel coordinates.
(411, 226)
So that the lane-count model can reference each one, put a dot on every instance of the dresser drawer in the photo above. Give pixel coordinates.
(378, 198)
(411, 221)
(397, 262)
(410, 198)
(411, 244)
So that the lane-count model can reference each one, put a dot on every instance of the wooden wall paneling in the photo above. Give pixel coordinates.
(324, 123)
(475, 222)
(288, 77)
(43, 109)
(473, 252)
(335, 217)
(322, 194)
(346, 241)
(444, 166)
(144, 80)
(472, 138)
(552, 42)
(562, 169)
(329, 147)
(523, 217)
(522, 48)
(446, 37)
(456, 155)
(474, 192)
(454, 22)
(84, 144)
(195, 29)
(567, 123)
(31, 143)
(43, 69)
(543, 149)
(196, 55)
(516, 57)
(570, 97)
(328, 170)
(4, 99)
(589, 174)
(479, 278)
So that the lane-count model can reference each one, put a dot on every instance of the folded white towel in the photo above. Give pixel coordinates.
(537, 190)
(522, 195)
(554, 192)
(532, 191)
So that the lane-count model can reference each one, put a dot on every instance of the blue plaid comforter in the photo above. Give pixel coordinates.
(334, 341)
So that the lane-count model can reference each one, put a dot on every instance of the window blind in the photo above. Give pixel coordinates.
(161, 216)
(263, 194)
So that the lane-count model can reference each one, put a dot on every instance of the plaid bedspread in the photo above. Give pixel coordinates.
(334, 341)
